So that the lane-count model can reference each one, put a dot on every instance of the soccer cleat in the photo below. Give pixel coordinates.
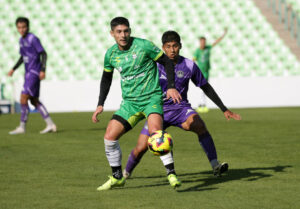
(112, 183)
(221, 168)
(126, 175)
(174, 181)
(49, 128)
(18, 130)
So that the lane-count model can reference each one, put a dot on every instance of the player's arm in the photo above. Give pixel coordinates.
(105, 84)
(169, 68)
(220, 38)
(199, 80)
(19, 62)
(104, 89)
(43, 56)
(210, 93)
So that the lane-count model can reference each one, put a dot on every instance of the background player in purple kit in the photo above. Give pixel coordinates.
(34, 57)
(182, 115)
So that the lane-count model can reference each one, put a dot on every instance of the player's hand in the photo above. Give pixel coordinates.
(42, 75)
(174, 94)
(228, 114)
(98, 111)
(10, 73)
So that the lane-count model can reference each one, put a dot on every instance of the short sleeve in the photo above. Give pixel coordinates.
(37, 45)
(107, 65)
(197, 76)
(152, 51)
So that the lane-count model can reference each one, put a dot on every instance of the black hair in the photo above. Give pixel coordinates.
(23, 19)
(202, 38)
(169, 36)
(119, 21)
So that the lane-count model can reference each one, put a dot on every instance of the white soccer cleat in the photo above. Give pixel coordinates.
(220, 168)
(126, 175)
(48, 129)
(18, 130)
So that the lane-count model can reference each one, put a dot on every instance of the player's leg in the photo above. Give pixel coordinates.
(51, 127)
(154, 123)
(24, 115)
(137, 153)
(114, 131)
(196, 125)
(122, 121)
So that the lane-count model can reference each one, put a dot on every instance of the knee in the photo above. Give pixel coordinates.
(34, 102)
(109, 136)
(186, 126)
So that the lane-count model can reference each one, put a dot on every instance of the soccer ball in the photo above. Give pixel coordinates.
(160, 143)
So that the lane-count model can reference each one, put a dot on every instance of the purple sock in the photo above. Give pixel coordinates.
(132, 162)
(42, 110)
(24, 112)
(208, 145)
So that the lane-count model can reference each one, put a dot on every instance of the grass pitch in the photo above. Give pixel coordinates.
(63, 170)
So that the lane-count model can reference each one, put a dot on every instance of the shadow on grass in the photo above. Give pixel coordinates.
(246, 174)
(80, 130)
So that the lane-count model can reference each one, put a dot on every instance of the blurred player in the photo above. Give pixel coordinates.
(34, 57)
(135, 59)
(202, 58)
(182, 115)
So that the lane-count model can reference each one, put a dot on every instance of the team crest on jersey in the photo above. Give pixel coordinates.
(134, 56)
(180, 74)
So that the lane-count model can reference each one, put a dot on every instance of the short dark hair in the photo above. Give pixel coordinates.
(23, 19)
(170, 36)
(202, 38)
(119, 21)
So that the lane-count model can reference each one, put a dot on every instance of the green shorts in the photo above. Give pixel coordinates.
(130, 113)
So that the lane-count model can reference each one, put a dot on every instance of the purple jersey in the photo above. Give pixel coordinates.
(185, 70)
(30, 49)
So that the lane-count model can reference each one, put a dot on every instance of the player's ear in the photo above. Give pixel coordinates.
(111, 33)
(129, 30)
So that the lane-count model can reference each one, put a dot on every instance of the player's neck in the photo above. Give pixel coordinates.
(124, 48)
(24, 36)
(175, 60)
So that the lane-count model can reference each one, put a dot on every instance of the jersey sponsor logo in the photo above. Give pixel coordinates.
(132, 77)
(180, 74)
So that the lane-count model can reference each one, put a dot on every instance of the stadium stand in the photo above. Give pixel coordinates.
(76, 34)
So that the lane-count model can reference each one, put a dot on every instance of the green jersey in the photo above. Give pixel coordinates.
(137, 67)
(202, 59)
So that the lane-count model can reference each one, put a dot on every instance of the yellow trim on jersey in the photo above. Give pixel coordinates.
(158, 56)
(108, 70)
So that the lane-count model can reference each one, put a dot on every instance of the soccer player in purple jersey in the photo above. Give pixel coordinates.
(34, 57)
(181, 114)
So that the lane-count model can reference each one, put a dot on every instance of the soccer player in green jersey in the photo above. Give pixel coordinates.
(201, 57)
(135, 59)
